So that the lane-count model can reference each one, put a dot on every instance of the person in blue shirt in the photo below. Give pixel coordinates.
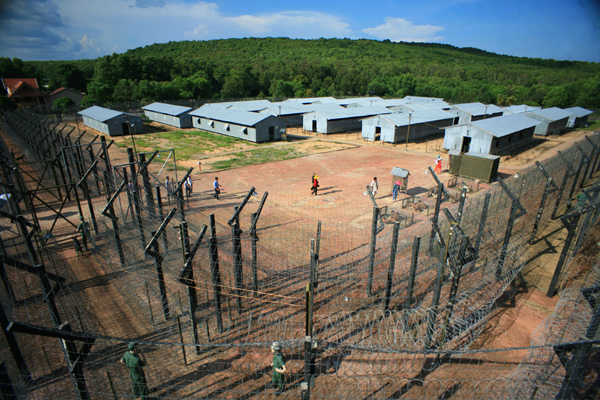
(217, 186)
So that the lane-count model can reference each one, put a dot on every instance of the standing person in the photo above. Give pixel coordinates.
(315, 184)
(438, 165)
(278, 368)
(189, 185)
(217, 186)
(395, 190)
(84, 230)
(374, 186)
(135, 362)
(169, 186)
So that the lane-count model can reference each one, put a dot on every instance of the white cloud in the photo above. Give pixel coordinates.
(401, 30)
(87, 43)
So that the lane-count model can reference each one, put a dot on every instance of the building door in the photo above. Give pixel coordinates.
(271, 133)
(314, 126)
(466, 144)
(377, 133)
(125, 128)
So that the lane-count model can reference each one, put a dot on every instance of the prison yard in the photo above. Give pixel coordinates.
(451, 287)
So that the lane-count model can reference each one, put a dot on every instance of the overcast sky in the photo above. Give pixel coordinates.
(76, 29)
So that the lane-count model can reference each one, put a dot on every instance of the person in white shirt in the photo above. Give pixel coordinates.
(374, 186)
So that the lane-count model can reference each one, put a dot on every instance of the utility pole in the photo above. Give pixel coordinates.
(408, 133)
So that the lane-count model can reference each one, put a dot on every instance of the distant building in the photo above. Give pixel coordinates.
(469, 112)
(394, 128)
(251, 126)
(63, 92)
(495, 136)
(331, 119)
(578, 118)
(553, 120)
(168, 114)
(25, 92)
(519, 109)
(289, 112)
(111, 122)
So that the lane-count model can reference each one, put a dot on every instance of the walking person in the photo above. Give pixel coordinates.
(438, 165)
(217, 186)
(374, 186)
(84, 230)
(135, 362)
(169, 186)
(279, 368)
(315, 184)
(189, 185)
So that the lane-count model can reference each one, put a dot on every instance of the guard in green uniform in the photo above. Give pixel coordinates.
(84, 229)
(581, 199)
(278, 367)
(135, 362)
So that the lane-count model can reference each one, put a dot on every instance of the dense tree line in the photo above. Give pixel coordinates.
(281, 67)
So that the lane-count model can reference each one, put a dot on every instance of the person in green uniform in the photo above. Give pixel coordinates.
(278, 367)
(84, 229)
(135, 362)
(581, 199)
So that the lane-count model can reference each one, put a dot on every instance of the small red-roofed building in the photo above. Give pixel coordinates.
(25, 92)
(62, 92)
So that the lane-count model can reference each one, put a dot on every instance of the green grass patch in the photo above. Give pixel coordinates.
(258, 156)
(185, 144)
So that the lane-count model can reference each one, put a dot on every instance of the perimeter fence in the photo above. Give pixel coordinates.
(388, 310)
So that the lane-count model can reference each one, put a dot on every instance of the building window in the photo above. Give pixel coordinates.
(244, 131)
(211, 124)
(227, 127)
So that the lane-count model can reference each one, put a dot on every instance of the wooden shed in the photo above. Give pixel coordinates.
(111, 122)
(168, 114)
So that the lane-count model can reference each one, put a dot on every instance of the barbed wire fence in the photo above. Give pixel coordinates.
(396, 310)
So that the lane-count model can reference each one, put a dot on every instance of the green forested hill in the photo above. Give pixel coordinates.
(281, 67)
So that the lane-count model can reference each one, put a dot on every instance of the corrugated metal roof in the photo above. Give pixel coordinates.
(417, 117)
(520, 109)
(286, 109)
(506, 124)
(401, 172)
(354, 112)
(230, 115)
(579, 111)
(311, 100)
(478, 108)
(167, 109)
(102, 114)
(482, 155)
(553, 114)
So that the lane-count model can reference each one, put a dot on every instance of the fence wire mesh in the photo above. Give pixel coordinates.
(391, 318)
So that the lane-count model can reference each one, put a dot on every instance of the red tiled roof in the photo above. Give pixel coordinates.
(56, 91)
(12, 84)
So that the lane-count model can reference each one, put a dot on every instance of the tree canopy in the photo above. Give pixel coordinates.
(281, 67)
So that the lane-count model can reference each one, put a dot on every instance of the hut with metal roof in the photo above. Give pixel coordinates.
(251, 126)
(494, 136)
(553, 120)
(468, 112)
(578, 118)
(290, 112)
(177, 116)
(394, 128)
(519, 109)
(331, 119)
(111, 122)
